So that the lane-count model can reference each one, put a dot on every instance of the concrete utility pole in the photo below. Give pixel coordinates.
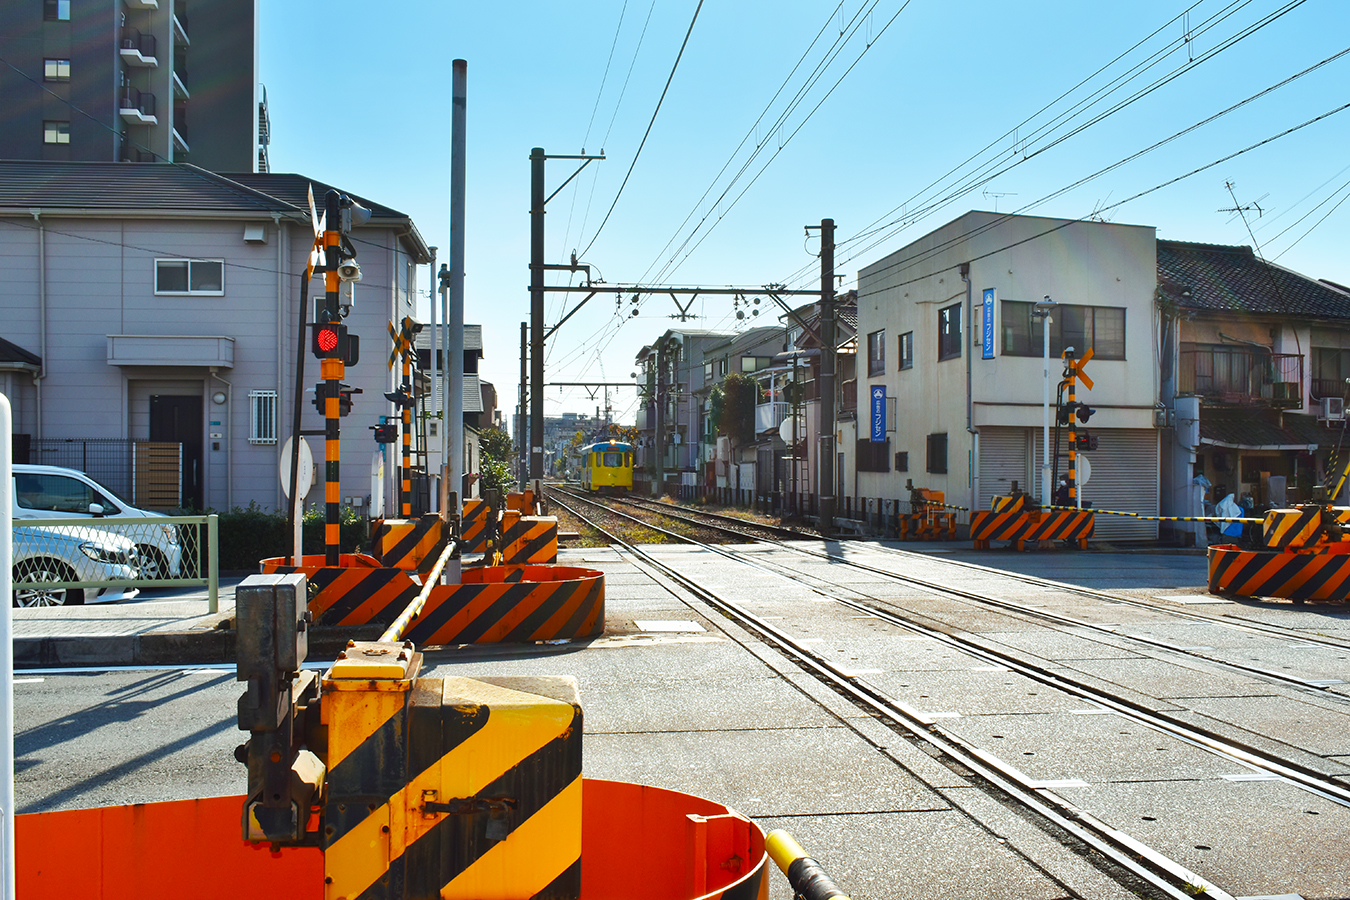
(454, 321)
(659, 459)
(828, 342)
(537, 312)
(522, 454)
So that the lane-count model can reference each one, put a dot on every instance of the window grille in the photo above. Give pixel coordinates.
(262, 418)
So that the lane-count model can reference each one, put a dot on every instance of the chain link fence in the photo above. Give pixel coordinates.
(67, 561)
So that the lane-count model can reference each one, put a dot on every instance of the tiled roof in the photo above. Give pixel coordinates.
(1220, 278)
(1257, 428)
(129, 186)
(293, 189)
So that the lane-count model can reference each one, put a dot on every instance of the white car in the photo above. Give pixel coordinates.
(50, 558)
(51, 492)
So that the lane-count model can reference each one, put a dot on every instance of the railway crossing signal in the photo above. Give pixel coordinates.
(344, 396)
(386, 433)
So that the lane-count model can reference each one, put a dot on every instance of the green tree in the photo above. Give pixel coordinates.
(737, 420)
(496, 452)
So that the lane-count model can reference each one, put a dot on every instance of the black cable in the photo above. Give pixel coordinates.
(649, 129)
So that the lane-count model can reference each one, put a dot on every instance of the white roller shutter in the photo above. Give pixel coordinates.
(1003, 460)
(1124, 478)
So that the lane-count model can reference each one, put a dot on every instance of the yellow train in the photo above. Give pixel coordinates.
(607, 466)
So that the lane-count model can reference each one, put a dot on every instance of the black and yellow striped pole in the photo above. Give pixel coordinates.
(806, 876)
(332, 370)
(1072, 374)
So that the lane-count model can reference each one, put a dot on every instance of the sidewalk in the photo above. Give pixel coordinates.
(162, 626)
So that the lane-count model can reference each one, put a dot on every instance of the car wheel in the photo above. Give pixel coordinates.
(46, 570)
(154, 565)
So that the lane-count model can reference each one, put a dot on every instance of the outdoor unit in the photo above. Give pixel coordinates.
(1333, 409)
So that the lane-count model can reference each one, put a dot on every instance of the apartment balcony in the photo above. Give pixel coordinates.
(1242, 376)
(1327, 387)
(180, 77)
(180, 37)
(142, 4)
(137, 107)
(138, 49)
(768, 416)
(180, 143)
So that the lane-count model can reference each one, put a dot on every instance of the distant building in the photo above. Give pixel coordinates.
(133, 81)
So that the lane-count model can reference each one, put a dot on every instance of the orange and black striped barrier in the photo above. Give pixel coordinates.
(928, 527)
(988, 526)
(1321, 574)
(1010, 503)
(410, 544)
(474, 523)
(530, 540)
(492, 604)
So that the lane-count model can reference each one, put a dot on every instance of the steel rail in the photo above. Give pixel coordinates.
(1322, 686)
(1141, 862)
(1300, 776)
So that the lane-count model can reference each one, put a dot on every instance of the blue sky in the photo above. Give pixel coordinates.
(900, 117)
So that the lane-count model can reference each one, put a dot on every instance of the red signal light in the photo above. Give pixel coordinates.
(327, 339)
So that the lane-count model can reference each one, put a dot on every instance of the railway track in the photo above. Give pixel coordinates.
(755, 531)
(1260, 757)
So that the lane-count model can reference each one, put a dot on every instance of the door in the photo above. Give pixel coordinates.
(179, 419)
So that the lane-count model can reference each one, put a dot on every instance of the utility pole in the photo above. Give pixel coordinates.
(522, 454)
(825, 486)
(659, 459)
(454, 320)
(537, 312)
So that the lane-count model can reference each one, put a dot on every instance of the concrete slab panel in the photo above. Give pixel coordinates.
(972, 693)
(1310, 726)
(795, 772)
(1166, 680)
(1236, 834)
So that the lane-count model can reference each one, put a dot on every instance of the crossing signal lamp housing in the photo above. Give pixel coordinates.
(402, 398)
(386, 433)
(330, 340)
(345, 392)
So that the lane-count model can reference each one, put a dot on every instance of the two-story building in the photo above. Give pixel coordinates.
(947, 341)
(162, 303)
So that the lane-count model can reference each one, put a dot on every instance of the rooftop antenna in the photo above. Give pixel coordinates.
(996, 195)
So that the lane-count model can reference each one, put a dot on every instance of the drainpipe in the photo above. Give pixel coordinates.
(283, 246)
(42, 315)
(974, 473)
(229, 437)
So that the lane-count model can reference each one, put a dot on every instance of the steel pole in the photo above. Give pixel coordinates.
(454, 464)
(537, 313)
(1045, 429)
(522, 430)
(6, 648)
(332, 371)
(437, 369)
(825, 486)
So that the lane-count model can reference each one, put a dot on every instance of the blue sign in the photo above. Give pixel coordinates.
(878, 413)
(988, 323)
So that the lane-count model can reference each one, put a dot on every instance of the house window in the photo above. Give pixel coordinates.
(56, 10)
(876, 353)
(937, 453)
(707, 371)
(1100, 327)
(55, 132)
(56, 70)
(949, 332)
(190, 276)
(902, 461)
(874, 456)
(907, 350)
(1330, 369)
(262, 417)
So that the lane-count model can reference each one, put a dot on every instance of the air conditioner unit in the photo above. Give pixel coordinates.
(1333, 409)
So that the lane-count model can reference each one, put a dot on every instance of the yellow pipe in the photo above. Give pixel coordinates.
(395, 631)
(806, 876)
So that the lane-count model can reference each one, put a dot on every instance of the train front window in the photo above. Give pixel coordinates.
(612, 458)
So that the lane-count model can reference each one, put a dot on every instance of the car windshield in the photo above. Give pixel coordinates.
(52, 492)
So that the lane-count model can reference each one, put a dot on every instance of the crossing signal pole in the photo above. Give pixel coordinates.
(1076, 412)
(329, 335)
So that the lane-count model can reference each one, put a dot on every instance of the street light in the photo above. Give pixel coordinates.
(1042, 310)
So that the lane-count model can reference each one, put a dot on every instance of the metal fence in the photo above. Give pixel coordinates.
(56, 558)
(106, 460)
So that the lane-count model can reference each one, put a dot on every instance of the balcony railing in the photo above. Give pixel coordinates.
(138, 49)
(1242, 376)
(771, 415)
(1327, 387)
(137, 106)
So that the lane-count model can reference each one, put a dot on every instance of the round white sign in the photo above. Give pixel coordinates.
(1084, 470)
(305, 476)
(785, 430)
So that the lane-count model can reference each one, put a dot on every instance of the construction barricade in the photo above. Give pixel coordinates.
(1018, 526)
(529, 540)
(929, 519)
(475, 525)
(1305, 556)
(508, 604)
(410, 544)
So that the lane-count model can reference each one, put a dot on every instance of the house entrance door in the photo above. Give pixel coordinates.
(179, 419)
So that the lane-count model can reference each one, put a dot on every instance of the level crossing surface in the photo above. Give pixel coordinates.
(677, 695)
